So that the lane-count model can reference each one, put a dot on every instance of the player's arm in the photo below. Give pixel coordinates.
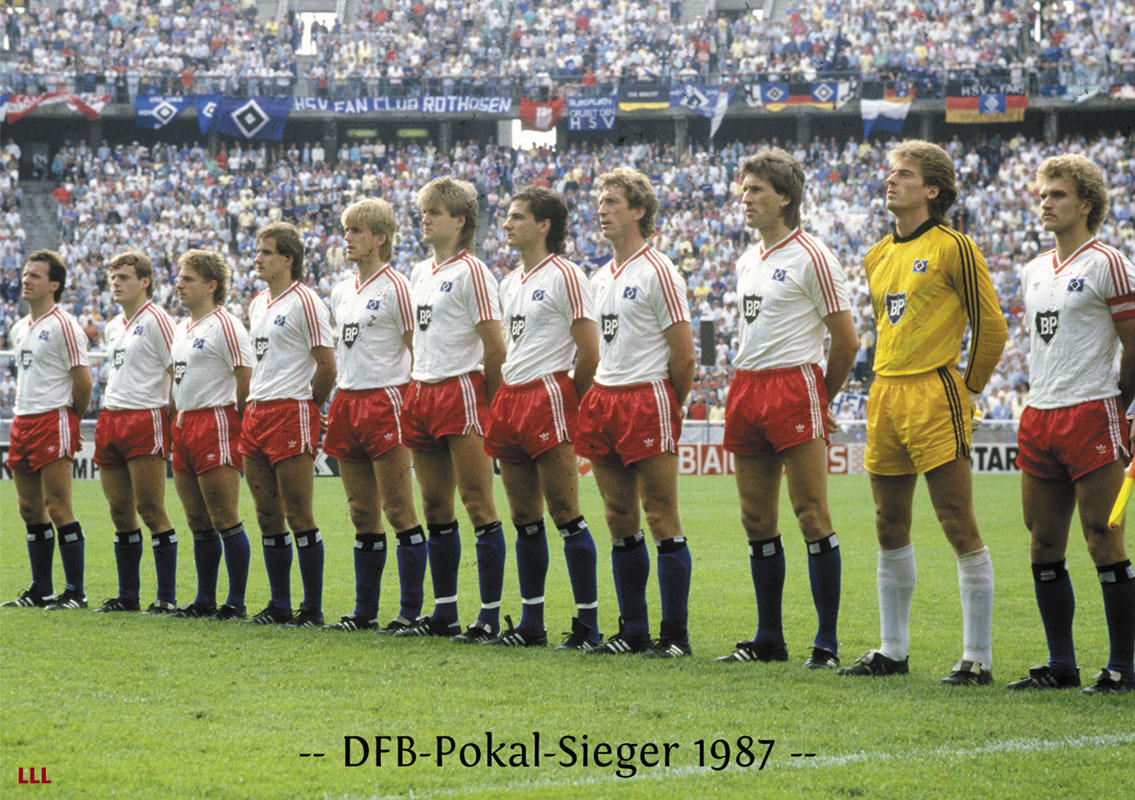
(408, 340)
(243, 377)
(493, 342)
(988, 330)
(683, 359)
(586, 335)
(841, 354)
(81, 385)
(325, 373)
(1126, 331)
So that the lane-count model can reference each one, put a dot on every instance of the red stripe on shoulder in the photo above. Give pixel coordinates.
(571, 284)
(228, 331)
(402, 296)
(71, 332)
(480, 276)
(163, 324)
(308, 299)
(1120, 278)
(823, 273)
(669, 286)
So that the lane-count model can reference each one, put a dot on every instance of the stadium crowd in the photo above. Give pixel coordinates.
(171, 198)
(127, 46)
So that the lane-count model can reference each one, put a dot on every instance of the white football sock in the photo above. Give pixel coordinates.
(975, 580)
(896, 577)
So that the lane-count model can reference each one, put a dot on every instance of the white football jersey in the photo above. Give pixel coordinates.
(784, 293)
(371, 318)
(284, 331)
(1071, 309)
(450, 300)
(635, 303)
(539, 307)
(47, 349)
(205, 353)
(138, 355)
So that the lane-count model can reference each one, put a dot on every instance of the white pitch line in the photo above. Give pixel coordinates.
(816, 762)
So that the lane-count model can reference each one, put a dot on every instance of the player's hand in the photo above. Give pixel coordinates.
(322, 425)
(833, 425)
(978, 415)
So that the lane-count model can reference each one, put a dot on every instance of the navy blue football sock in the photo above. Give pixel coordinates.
(766, 561)
(1118, 584)
(674, 567)
(165, 564)
(41, 553)
(370, 560)
(309, 551)
(71, 551)
(824, 568)
(491, 550)
(579, 553)
(207, 556)
(532, 570)
(238, 554)
(1057, 605)
(412, 560)
(128, 558)
(278, 563)
(444, 557)
(630, 565)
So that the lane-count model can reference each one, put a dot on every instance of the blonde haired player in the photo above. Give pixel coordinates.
(364, 424)
(1080, 310)
(458, 351)
(927, 281)
(630, 420)
(212, 367)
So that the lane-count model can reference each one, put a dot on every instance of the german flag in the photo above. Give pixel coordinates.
(982, 104)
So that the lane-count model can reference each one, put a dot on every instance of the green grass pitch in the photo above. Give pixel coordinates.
(133, 706)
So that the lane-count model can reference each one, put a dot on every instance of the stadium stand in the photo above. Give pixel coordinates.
(128, 46)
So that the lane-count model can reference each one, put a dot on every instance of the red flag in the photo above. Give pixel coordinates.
(540, 116)
(89, 105)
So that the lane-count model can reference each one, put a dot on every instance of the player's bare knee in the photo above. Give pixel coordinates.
(268, 521)
(400, 514)
(620, 522)
(562, 510)
(299, 519)
(32, 513)
(962, 536)
(758, 526)
(153, 515)
(60, 513)
(815, 522)
(1105, 546)
(663, 523)
(201, 521)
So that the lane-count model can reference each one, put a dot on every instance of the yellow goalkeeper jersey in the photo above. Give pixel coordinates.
(924, 287)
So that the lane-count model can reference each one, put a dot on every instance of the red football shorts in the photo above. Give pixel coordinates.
(1062, 444)
(771, 410)
(364, 424)
(205, 438)
(529, 419)
(273, 430)
(38, 439)
(619, 425)
(123, 434)
(453, 407)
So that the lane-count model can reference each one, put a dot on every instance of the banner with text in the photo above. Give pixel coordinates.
(984, 103)
(591, 113)
(429, 104)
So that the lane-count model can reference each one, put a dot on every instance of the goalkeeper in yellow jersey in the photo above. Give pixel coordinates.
(927, 282)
